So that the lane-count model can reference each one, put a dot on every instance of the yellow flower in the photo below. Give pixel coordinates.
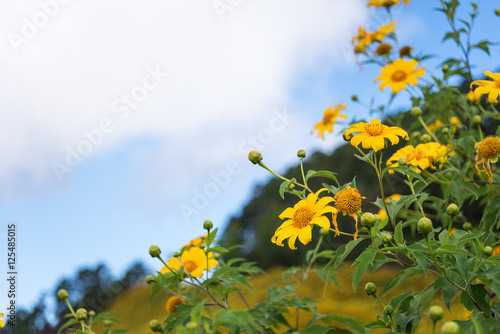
(330, 116)
(492, 88)
(364, 39)
(496, 251)
(348, 201)
(381, 212)
(472, 97)
(195, 242)
(193, 260)
(301, 218)
(420, 156)
(436, 125)
(384, 3)
(488, 150)
(172, 302)
(373, 135)
(399, 74)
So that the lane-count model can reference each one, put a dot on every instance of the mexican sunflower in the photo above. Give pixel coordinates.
(364, 39)
(488, 151)
(330, 116)
(420, 156)
(490, 87)
(194, 261)
(302, 216)
(385, 3)
(348, 201)
(399, 74)
(373, 135)
(172, 302)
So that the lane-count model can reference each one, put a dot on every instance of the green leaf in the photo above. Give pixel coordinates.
(398, 234)
(405, 170)
(218, 249)
(322, 173)
(355, 325)
(448, 290)
(480, 295)
(452, 249)
(237, 317)
(361, 264)
(400, 278)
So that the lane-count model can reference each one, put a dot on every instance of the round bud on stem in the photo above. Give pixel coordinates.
(81, 314)
(108, 323)
(150, 279)
(370, 288)
(207, 225)
(452, 210)
(202, 246)
(155, 325)
(445, 68)
(354, 97)
(291, 186)
(446, 131)
(487, 250)
(436, 162)
(402, 161)
(467, 226)
(177, 254)
(216, 255)
(324, 232)
(62, 294)
(91, 313)
(368, 219)
(255, 157)
(450, 327)
(388, 309)
(191, 326)
(477, 120)
(416, 135)
(301, 154)
(386, 238)
(497, 12)
(424, 226)
(436, 313)
(416, 111)
(154, 251)
(425, 138)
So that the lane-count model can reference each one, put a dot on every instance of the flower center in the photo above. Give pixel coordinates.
(489, 148)
(398, 76)
(302, 217)
(348, 201)
(415, 154)
(497, 84)
(190, 266)
(374, 130)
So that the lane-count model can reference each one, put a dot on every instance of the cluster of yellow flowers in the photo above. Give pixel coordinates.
(421, 156)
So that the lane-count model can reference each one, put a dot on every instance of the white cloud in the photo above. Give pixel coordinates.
(225, 76)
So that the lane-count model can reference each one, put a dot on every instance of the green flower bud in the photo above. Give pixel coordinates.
(436, 162)
(191, 326)
(436, 313)
(416, 135)
(368, 219)
(487, 250)
(467, 226)
(291, 186)
(154, 251)
(150, 279)
(301, 154)
(370, 288)
(202, 246)
(452, 210)
(324, 232)
(216, 255)
(255, 157)
(207, 225)
(402, 161)
(424, 226)
(81, 314)
(446, 131)
(497, 12)
(354, 97)
(377, 218)
(425, 138)
(92, 313)
(155, 325)
(388, 309)
(445, 68)
(177, 254)
(62, 294)
(477, 119)
(386, 238)
(108, 323)
(416, 111)
(450, 327)
(347, 137)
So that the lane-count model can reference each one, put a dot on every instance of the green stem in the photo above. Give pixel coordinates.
(70, 308)
(261, 164)
(410, 181)
(427, 129)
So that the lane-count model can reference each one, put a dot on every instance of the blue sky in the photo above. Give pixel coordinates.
(170, 96)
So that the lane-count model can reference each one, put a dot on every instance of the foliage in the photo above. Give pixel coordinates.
(429, 232)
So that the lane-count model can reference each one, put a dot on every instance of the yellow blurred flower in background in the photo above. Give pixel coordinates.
(381, 212)
(372, 135)
(385, 3)
(365, 39)
(330, 116)
(399, 74)
(301, 217)
(172, 302)
(490, 87)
